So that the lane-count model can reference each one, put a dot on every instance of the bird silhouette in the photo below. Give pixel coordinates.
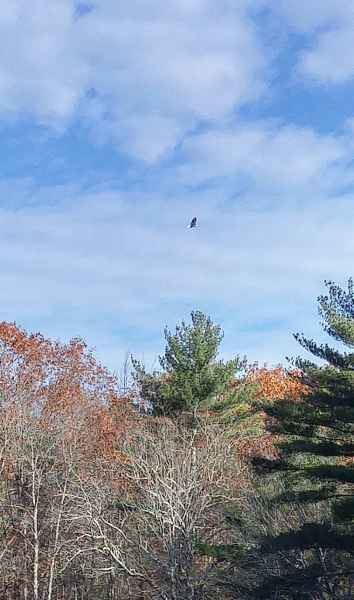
(193, 223)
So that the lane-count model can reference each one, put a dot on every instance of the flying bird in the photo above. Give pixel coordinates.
(193, 223)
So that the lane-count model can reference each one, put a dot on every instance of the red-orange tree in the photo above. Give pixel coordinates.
(60, 414)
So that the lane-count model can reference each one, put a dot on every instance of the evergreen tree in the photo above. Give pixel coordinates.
(191, 375)
(317, 463)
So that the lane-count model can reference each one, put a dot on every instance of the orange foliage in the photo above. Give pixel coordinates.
(61, 387)
(277, 383)
(274, 384)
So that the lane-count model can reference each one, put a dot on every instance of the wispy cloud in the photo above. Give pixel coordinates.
(271, 155)
(122, 263)
(329, 25)
(141, 74)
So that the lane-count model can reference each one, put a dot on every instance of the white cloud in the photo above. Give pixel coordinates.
(156, 68)
(41, 74)
(116, 267)
(327, 56)
(332, 58)
(315, 15)
(270, 155)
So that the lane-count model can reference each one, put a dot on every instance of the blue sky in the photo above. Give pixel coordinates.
(121, 121)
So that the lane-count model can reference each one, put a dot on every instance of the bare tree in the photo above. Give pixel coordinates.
(183, 478)
(35, 501)
(145, 534)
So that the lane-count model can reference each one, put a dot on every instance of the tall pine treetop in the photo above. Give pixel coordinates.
(192, 376)
(192, 346)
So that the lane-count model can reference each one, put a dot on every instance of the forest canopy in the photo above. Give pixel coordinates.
(204, 479)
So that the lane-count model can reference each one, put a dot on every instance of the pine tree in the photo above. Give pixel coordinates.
(239, 413)
(191, 375)
(293, 526)
(317, 463)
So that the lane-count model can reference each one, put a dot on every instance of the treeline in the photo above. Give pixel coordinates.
(205, 479)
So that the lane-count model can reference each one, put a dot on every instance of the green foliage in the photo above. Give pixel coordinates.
(249, 565)
(150, 386)
(191, 375)
(318, 454)
(237, 410)
(222, 552)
